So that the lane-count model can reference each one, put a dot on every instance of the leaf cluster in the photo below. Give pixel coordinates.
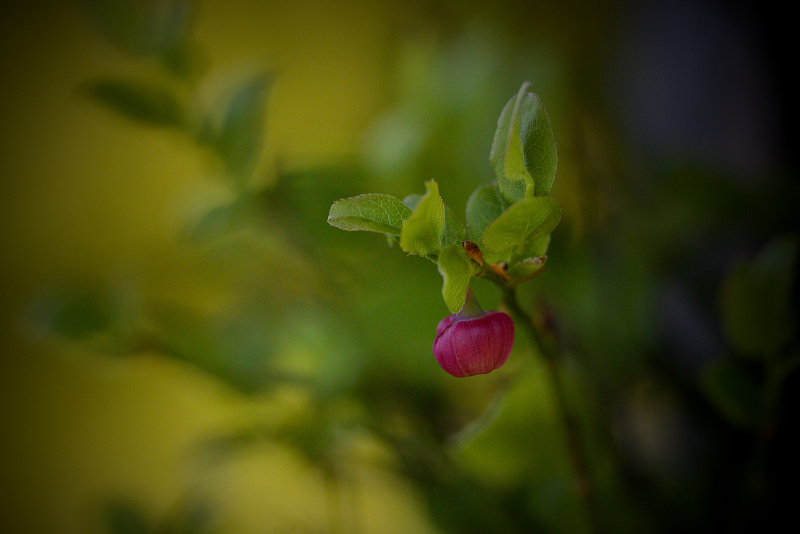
(508, 221)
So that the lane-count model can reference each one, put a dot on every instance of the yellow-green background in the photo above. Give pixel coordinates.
(88, 195)
(84, 192)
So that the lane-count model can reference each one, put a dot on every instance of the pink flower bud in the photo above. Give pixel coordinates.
(469, 344)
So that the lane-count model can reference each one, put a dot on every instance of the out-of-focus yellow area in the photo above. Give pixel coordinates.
(86, 193)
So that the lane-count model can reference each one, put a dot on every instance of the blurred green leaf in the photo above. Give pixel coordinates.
(371, 212)
(234, 127)
(411, 201)
(456, 269)
(238, 350)
(519, 231)
(423, 230)
(74, 312)
(734, 392)
(126, 518)
(135, 100)
(523, 152)
(756, 301)
(142, 28)
(526, 267)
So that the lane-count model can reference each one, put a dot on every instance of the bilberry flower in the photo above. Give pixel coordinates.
(473, 341)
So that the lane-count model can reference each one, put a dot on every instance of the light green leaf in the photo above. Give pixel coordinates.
(520, 229)
(454, 231)
(456, 269)
(422, 231)
(523, 151)
(371, 212)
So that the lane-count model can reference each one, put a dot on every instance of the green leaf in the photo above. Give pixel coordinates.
(523, 151)
(454, 231)
(235, 126)
(519, 231)
(126, 517)
(526, 267)
(152, 105)
(411, 201)
(74, 312)
(484, 206)
(755, 299)
(423, 230)
(142, 28)
(371, 212)
(456, 269)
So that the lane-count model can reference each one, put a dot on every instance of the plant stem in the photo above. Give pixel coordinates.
(543, 338)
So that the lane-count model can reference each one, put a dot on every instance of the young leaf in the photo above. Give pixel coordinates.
(485, 205)
(453, 229)
(456, 269)
(372, 212)
(523, 151)
(520, 229)
(526, 268)
(423, 230)
(511, 182)
(538, 144)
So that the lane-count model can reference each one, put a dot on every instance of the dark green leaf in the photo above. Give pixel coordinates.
(734, 392)
(142, 28)
(74, 312)
(145, 103)
(756, 310)
(235, 127)
(538, 144)
(372, 212)
(126, 518)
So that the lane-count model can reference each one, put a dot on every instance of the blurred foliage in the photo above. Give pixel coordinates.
(672, 292)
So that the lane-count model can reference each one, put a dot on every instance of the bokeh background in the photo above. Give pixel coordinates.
(188, 346)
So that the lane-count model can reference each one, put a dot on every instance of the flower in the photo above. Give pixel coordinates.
(473, 341)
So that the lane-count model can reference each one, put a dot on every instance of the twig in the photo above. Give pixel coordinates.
(543, 334)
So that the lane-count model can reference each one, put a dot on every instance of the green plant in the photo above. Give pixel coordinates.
(504, 241)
